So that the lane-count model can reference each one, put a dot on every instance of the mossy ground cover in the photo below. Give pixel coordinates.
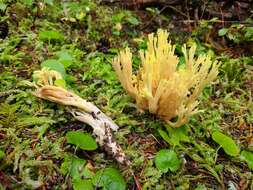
(85, 36)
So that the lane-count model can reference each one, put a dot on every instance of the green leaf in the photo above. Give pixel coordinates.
(81, 184)
(55, 65)
(74, 166)
(2, 6)
(47, 35)
(2, 154)
(248, 157)
(249, 32)
(60, 83)
(167, 160)
(132, 20)
(201, 187)
(87, 172)
(82, 140)
(27, 2)
(226, 143)
(65, 58)
(223, 31)
(49, 2)
(177, 135)
(118, 17)
(115, 32)
(164, 135)
(109, 179)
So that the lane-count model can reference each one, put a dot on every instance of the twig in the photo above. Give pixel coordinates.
(88, 113)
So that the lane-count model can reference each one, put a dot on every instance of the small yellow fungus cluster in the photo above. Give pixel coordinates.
(45, 76)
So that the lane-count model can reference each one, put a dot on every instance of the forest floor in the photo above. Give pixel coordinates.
(85, 36)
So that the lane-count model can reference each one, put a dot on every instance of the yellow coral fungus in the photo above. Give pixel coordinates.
(45, 76)
(160, 85)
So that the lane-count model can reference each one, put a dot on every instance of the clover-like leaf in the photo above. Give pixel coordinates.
(167, 160)
(83, 140)
(109, 179)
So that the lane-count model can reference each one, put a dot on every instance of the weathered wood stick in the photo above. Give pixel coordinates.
(88, 113)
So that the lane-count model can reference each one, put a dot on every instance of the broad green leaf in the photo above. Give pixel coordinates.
(81, 184)
(248, 157)
(82, 140)
(177, 135)
(132, 20)
(65, 58)
(2, 6)
(167, 160)
(2, 154)
(47, 35)
(87, 172)
(109, 179)
(223, 31)
(55, 65)
(226, 143)
(74, 166)
(60, 82)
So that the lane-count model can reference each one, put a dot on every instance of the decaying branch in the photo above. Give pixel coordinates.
(64, 97)
(83, 111)
(104, 134)
(103, 131)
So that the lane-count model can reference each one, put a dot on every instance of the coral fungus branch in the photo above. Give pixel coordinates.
(161, 85)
